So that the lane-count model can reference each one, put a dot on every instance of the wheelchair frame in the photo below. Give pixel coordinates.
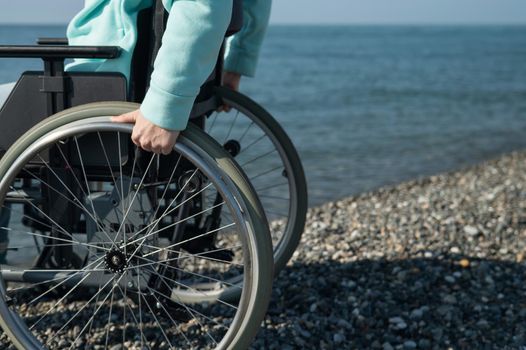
(54, 90)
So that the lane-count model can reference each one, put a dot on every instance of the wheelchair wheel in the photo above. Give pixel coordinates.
(268, 157)
(100, 222)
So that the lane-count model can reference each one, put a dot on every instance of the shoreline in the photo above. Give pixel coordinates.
(430, 263)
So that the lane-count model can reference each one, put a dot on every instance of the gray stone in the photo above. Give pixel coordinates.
(387, 346)
(424, 344)
(338, 338)
(409, 345)
(470, 230)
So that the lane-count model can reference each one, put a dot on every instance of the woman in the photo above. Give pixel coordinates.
(191, 42)
(190, 46)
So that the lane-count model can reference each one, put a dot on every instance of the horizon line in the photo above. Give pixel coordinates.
(325, 24)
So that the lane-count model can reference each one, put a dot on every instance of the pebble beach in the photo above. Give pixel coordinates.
(435, 263)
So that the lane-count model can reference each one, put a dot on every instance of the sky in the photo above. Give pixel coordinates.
(318, 11)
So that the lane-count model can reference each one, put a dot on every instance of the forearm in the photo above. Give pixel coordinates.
(243, 48)
(190, 47)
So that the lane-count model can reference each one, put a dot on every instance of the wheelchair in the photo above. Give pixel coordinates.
(114, 246)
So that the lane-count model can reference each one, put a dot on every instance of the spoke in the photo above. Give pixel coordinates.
(199, 255)
(169, 226)
(109, 316)
(188, 256)
(252, 143)
(136, 155)
(124, 318)
(63, 270)
(258, 157)
(89, 191)
(168, 211)
(270, 187)
(192, 273)
(231, 126)
(213, 123)
(92, 318)
(140, 307)
(273, 197)
(122, 186)
(26, 216)
(190, 312)
(82, 309)
(266, 172)
(50, 219)
(245, 132)
(190, 239)
(94, 216)
(132, 314)
(153, 291)
(13, 290)
(91, 323)
(55, 238)
(164, 192)
(32, 246)
(60, 300)
(67, 279)
(190, 308)
(156, 320)
(190, 288)
(275, 213)
(76, 202)
(109, 165)
(135, 195)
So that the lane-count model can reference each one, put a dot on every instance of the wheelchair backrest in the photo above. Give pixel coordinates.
(151, 24)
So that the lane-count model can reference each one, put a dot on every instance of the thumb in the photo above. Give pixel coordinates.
(124, 118)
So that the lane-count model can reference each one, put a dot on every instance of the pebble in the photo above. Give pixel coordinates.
(409, 345)
(450, 279)
(338, 338)
(470, 230)
(424, 344)
(398, 322)
(416, 314)
(387, 346)
(464, 263)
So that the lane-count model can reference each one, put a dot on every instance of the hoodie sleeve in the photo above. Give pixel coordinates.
(189, 50)
(243, 48)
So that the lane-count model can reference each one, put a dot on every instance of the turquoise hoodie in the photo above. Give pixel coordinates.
(190, 45)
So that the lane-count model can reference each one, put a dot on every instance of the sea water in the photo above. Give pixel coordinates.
(369, 106)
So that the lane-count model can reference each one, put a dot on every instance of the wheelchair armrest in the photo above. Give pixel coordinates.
(59, 51)
(52, 41)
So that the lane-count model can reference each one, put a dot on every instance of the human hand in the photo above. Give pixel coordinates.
(231, 80)
(147, 135)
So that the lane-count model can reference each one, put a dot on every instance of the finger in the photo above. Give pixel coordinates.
(166, 150)
(124, 118)
(156, 150)
(147, 146)
(136, 139)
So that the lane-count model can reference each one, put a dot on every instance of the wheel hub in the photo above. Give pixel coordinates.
(116, 261)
